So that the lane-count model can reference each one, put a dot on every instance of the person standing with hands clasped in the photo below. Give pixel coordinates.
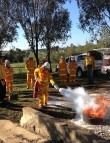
(30, 67)
(89, 65)
(62, 70)
(72, 67)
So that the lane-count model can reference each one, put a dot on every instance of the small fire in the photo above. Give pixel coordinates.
(100, 111)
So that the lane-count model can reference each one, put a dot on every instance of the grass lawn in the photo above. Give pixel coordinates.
(13, 111)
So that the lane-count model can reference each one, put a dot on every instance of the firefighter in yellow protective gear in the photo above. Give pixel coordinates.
(30, 67)
(35, 93)
(89, 65)
(43, 77)
(72, 66)
(62, 70)
(8, 76)
(2, 81)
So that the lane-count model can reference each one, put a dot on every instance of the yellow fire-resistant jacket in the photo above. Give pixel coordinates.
(8, 74)
(43, 76)
(72, 66)
(30, 66)
(89, 60)
(2, 71)
(62, 70)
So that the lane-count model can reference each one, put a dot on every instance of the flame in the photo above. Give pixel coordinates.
(100, 111)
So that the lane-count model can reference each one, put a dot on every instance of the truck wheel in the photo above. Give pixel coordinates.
(79, 72)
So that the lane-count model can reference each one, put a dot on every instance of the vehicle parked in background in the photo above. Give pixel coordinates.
(106, 64)
(102, 61)
(105, 68)
(80, 62)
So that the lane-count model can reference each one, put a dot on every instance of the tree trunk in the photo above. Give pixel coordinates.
(0, 42)
(36, 52)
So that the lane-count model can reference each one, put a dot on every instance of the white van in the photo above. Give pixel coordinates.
(80, 61)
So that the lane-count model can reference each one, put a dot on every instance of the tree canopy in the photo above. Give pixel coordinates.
(57, 25)
(43, 22)
(94, 14)
(8, 24)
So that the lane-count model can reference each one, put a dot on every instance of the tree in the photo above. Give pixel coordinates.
(8, 25)
(93, 15)
(56, 24)
(41, 23)
(29, 15)
(104, 40)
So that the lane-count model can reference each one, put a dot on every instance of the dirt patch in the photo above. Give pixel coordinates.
(57, 107)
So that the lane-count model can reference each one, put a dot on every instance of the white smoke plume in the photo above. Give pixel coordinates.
(79, 98)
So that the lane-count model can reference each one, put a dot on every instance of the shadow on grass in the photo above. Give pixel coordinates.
(20, 76)
(13, 106)
(56, 98)
(25, 100)
(54, 93)
(58, 112)
(2, 116)
(19, 81)
(25, 94)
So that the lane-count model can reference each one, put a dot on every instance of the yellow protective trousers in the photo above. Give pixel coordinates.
(63, 72)
(63, 79)
(30, 80)
(9, 86)
(9, 79)
(72, 79)
(43, 94)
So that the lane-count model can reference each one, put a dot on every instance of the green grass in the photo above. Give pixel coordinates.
(19, 68)
(13, 111)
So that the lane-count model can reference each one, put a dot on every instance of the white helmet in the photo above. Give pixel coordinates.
(46, 65)
(62, 57)
(7, 62)
(72, 58)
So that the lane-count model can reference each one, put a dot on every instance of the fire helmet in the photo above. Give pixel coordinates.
(72, 58)
(46, 65)
(62, 57)
(7, 62)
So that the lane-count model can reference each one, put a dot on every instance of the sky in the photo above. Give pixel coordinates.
(77, 36)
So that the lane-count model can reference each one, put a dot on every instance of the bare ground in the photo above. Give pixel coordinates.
(57, 107)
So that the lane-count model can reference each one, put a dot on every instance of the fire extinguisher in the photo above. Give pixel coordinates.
(35, 93)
